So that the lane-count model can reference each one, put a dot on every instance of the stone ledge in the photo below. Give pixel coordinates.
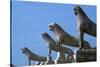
(86, 55)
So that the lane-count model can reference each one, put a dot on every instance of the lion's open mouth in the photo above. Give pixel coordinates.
(75, 13)
(22, 50)
(44, 34)
(50, 27)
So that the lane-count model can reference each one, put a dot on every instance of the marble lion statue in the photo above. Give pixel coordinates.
(84, 25)
(52, 45)
(32, 56)
(65, 38)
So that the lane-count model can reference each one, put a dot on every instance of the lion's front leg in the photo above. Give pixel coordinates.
(59, 46)
(29, 62)
(80, 39)
(49, 55)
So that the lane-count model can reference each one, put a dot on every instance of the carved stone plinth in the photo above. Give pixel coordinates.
(86, 55)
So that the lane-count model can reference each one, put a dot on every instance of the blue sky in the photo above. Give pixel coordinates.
(30, 19)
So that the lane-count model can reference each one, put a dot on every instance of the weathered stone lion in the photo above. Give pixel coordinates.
(32, 56)
(84, 25)
(64, 38)
(52, 45)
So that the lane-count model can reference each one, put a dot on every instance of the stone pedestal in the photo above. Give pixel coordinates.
(86, 55)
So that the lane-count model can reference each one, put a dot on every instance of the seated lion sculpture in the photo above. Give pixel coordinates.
(64, 38)
(84, 25)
